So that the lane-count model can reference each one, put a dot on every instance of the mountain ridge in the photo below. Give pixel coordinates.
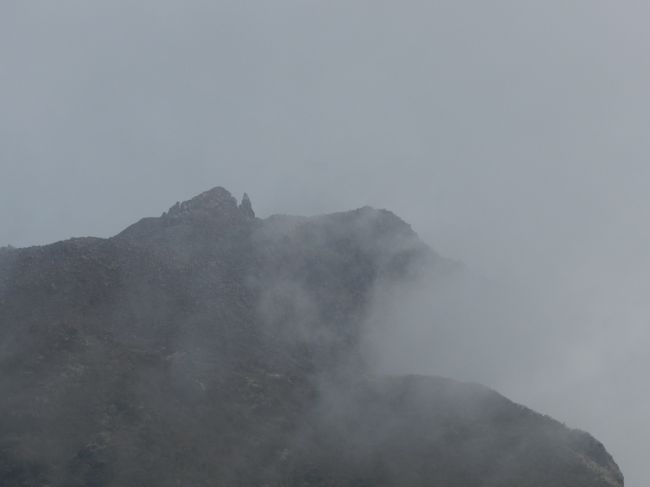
(210, 347)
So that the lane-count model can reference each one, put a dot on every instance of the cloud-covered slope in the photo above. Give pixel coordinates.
(210, 347)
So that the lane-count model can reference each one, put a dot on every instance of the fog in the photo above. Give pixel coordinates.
(512, 135)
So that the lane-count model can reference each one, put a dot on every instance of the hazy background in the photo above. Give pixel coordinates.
(512, 135)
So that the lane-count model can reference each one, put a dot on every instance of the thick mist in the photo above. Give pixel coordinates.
(578, 358)
(511, 135)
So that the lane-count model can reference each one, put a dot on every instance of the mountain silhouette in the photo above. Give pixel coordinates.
(209, 347)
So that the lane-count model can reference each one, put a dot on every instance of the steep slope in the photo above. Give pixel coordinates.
(210, 347)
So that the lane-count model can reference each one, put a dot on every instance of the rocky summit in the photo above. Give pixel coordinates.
(209, 347)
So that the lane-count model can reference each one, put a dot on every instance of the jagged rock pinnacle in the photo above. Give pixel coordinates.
(246, 207)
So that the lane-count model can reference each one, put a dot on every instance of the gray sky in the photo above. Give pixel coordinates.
(511, 134)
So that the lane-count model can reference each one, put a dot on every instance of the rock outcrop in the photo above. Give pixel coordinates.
(246, 206)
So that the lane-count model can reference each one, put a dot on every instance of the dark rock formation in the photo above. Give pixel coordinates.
(208, 347)
(246, 207)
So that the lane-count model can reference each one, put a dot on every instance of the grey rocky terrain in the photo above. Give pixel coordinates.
(208, 347)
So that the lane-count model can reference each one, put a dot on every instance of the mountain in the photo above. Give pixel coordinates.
(208, 347)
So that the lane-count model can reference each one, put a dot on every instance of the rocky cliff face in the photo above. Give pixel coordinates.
(210, 347)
